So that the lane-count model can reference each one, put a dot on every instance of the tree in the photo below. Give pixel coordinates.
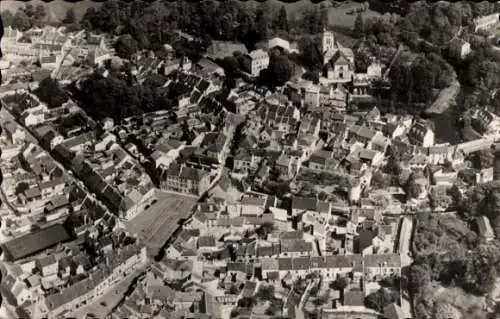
(70, 16)
(21, 21)
(265, 292)
(231, 66)
(412, 189)
(420, 275)
(359, 25)
(378, 300)
(51, 93)
(282, 21)
(310, 55)
(265, 229)
(280, 70)
(246, 302)
(21, 188)
(339, 284)
(126, 46)
(7, 18)
(311, 76)
(483, 159)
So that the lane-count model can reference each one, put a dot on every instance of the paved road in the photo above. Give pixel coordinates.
(104, 305)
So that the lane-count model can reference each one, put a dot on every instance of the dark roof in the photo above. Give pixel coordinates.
(354, 298)
(304, 203)
(37, 241)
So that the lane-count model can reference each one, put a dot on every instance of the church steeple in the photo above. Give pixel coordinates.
(328, 44)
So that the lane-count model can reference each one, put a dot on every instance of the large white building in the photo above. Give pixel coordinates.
(256, 61)
(486, 22)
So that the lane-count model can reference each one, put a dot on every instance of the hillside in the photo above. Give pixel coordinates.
(57, 7)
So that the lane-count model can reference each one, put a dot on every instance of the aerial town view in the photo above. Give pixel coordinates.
(250, 159)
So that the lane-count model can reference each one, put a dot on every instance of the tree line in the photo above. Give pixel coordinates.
(151, 25)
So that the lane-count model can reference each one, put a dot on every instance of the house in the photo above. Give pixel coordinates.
(459, 49)
(485, 122)
(117, 265)
(484, 228)
(207, 68)
(52, 187)
(253, 206)
(49, 136)
(256, 61)
(309, 204)
(320, 160)
(312, 95)
(421, 134)
(47, 265)
(15, 290)
(33, 118)
(440, 154)
(15, 134)
(282, 44)
(183, 179)
(362, 134)
(339, 69)
(48, 62)
(171, 65)
(382, 266)
(374, 70)
(485, 175)
(339, 98)
(485, 23)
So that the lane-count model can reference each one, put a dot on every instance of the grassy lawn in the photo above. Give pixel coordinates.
(339, 17)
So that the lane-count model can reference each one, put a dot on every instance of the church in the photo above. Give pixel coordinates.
(339, 68)
(338, 62)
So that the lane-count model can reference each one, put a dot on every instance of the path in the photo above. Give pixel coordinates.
(445, 98)
(395, 57)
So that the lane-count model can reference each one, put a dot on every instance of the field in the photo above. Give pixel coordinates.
(156, 224)
(339, 17)
(58, 7)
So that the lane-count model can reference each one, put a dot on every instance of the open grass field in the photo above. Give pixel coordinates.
(339, 17)
(155, 225)
(57, 7)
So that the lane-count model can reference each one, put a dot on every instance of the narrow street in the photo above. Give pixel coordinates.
(34, 140)
(104, 305)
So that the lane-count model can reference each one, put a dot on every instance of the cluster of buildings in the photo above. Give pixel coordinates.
(301, 137)
(338, 64)
(51, 47)
(293, 191)
(60, 246)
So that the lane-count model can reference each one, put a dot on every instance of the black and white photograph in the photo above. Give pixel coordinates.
(273, 159)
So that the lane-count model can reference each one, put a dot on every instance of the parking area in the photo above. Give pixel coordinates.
(156, 224)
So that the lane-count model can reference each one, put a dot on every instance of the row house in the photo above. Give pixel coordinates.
(183, 179)
(117, 266)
